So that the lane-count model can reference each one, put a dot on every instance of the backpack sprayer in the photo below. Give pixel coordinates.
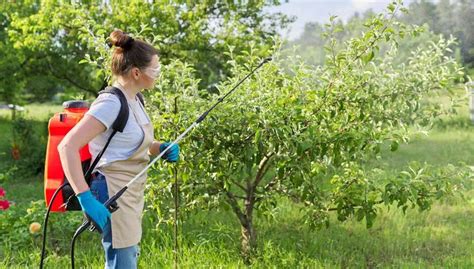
(111, 203)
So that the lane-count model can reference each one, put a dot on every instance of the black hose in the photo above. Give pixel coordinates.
(176, 214)
(79, 230)
(45, 223)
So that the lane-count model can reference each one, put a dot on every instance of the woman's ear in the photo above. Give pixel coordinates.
(136, 73)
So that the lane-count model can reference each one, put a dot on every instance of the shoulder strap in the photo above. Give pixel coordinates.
(117, 126)
(88, 173)
(122, 117)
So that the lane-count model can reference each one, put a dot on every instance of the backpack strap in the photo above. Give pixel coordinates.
(117, 126)
(122, 117)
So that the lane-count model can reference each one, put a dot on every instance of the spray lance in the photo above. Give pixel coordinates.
(111, 204)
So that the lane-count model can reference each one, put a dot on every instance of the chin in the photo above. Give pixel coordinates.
(148, 87)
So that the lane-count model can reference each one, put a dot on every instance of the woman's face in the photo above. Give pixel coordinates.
(150, 73)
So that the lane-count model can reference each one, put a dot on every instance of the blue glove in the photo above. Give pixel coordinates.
(93, 208)
(172, 155)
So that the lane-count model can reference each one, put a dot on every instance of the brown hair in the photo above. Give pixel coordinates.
(129, 52)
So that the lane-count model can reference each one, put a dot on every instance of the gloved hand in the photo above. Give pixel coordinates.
(172, 155)
(93, 208)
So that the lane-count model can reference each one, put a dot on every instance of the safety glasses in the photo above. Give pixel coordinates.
(153, 72)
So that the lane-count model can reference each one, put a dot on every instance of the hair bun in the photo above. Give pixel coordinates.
(120, 39)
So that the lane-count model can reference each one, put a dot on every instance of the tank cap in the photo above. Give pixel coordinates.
(76, 104)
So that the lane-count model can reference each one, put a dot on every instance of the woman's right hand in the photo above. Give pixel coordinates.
(93, 208)
(172, 155)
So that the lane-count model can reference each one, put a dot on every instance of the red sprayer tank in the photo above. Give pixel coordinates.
(59, 125)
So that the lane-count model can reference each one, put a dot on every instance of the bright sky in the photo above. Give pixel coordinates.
(320, 10)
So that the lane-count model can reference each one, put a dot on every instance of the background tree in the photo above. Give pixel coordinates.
(446, 17)
(53, 37)
(10, 60)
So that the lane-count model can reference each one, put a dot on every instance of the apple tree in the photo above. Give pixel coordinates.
(304, 133)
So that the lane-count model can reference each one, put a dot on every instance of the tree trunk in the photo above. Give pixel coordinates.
(249, 237)
(245, 215)
(249, 240)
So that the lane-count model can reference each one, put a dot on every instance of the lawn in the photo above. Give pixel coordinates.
(440, 238)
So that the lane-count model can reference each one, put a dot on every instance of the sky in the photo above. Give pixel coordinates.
(320, 10)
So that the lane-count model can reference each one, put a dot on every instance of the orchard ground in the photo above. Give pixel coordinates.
(440, 238)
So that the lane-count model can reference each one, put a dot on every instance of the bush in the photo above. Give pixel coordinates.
(28, 146)
(18, 231)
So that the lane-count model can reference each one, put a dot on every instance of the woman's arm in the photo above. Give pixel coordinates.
(154, 148)
(78, 137)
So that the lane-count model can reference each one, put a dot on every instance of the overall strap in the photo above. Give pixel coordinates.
(141, 99)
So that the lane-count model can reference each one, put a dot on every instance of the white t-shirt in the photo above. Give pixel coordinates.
(105, 109)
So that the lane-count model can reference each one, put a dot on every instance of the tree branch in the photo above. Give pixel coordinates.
(239, 185)
(235, 206)
(262, 169)
(358, 206)
(268, 187)
(59, 76)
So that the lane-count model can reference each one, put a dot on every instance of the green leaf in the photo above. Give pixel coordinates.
(394, 146)
(368, 57)
(391, 7)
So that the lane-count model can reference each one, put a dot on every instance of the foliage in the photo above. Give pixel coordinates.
(419, 186)
(7, 173)
(47, 41)
(15, 225)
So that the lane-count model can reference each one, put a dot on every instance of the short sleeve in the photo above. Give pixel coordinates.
(105, 109)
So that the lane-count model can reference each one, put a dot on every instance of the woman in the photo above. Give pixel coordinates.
(135, 67)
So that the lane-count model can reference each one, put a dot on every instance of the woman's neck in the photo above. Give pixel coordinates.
(128, 88)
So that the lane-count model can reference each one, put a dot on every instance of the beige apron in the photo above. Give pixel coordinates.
(126, 221)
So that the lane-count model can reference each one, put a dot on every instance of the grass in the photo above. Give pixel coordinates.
(35, 111)
(439, 238)
(437, 148)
